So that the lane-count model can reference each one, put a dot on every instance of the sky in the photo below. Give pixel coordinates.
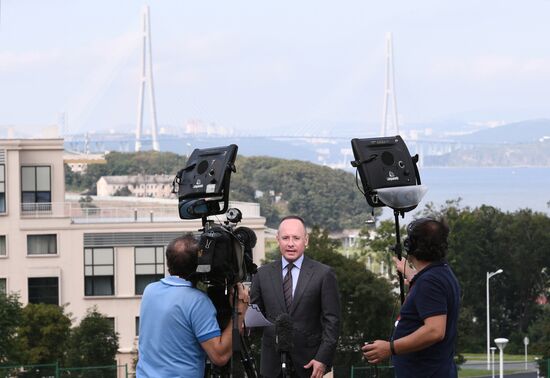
(273, 67)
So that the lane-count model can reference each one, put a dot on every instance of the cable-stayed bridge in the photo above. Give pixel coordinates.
(333, 150)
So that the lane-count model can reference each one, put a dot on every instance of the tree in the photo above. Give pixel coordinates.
(485, 239)
(123, 192)
(10, 319)
(380, 242)
(367, 300)
(88, 206)
(539, 338)
(93, 342)
(304, 188)
(44, 333)
(73, 180)
(301, 187)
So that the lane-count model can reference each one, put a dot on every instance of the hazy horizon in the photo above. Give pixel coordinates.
(246, 66)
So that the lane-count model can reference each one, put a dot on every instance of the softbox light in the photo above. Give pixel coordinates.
(203, 185)
(385, 164)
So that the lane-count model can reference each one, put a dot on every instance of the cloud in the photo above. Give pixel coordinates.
(11, 61)
(493, 67)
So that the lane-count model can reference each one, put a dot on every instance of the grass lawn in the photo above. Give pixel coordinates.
(462, 373)
(482, 357)
(507, 357)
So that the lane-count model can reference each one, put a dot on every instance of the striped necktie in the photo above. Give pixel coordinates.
(287, 285)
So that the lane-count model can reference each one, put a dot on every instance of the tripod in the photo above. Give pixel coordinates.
(241, 351)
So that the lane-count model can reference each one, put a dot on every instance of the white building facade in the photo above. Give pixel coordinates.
(155, 186)
(55, 251)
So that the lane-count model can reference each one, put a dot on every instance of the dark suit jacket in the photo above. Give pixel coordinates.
(315, 314)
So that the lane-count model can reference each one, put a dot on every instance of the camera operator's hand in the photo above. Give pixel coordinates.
(243, 299)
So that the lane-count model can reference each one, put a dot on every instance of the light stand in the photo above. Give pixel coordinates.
(390, 177)
(401, 199)
(501, 344)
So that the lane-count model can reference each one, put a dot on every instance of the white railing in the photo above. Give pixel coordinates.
(90, 213)
(104, 212)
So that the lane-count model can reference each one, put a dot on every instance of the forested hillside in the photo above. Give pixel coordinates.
(325, 197)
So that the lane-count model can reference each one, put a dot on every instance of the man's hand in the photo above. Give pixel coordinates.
(404, 268)
(376, 351)
(242, 303)
(318, 368)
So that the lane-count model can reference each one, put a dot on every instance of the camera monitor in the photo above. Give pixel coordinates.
(382, 163)
(204, 182)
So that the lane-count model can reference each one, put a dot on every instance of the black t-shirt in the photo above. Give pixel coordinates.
(433, 291)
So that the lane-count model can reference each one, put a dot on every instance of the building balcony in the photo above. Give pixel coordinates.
(106, 212)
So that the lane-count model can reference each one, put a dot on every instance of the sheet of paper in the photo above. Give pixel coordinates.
(255, 318)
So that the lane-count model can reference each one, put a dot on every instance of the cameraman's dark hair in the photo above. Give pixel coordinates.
(182, 256)
(428, 239)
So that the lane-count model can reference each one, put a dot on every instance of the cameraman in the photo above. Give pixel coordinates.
(178, 325)
(424, 339)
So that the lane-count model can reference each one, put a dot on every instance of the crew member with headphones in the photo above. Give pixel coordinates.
(424, 339)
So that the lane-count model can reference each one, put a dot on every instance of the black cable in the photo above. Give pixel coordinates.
(357, 184)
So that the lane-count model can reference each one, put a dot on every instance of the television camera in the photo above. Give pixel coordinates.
(203, 191)
(225, 256)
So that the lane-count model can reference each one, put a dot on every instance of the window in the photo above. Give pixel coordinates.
(2, 245)
(44, 290)
(99, 271)
(137, 325)
(3, 286)
(149, 266)
(111, 321)
(42, 244)
(36, 188)
(2, 188)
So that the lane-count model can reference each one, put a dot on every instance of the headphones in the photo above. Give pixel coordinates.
(410, 244)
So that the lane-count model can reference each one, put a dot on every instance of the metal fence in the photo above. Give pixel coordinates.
(55, 371)
(370, 371)
(544, 368)
(514, 369)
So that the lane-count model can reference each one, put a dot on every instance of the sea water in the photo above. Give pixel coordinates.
(506, 188)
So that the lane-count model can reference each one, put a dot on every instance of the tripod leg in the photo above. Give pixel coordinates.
(246, 359)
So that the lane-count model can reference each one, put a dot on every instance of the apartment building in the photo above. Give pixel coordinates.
(54, 250)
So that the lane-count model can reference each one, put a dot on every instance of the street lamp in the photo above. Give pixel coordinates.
(489, 275)
(501, 344)
(525, 342)
(493, 361)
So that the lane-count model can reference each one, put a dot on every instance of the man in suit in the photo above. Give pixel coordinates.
(307, 291)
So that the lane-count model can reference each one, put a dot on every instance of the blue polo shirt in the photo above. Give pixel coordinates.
(433, 291)
(174, 319)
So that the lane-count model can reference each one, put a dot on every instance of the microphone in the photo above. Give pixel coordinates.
(283, 333)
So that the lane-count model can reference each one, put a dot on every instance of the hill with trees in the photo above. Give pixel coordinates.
(323, 196)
